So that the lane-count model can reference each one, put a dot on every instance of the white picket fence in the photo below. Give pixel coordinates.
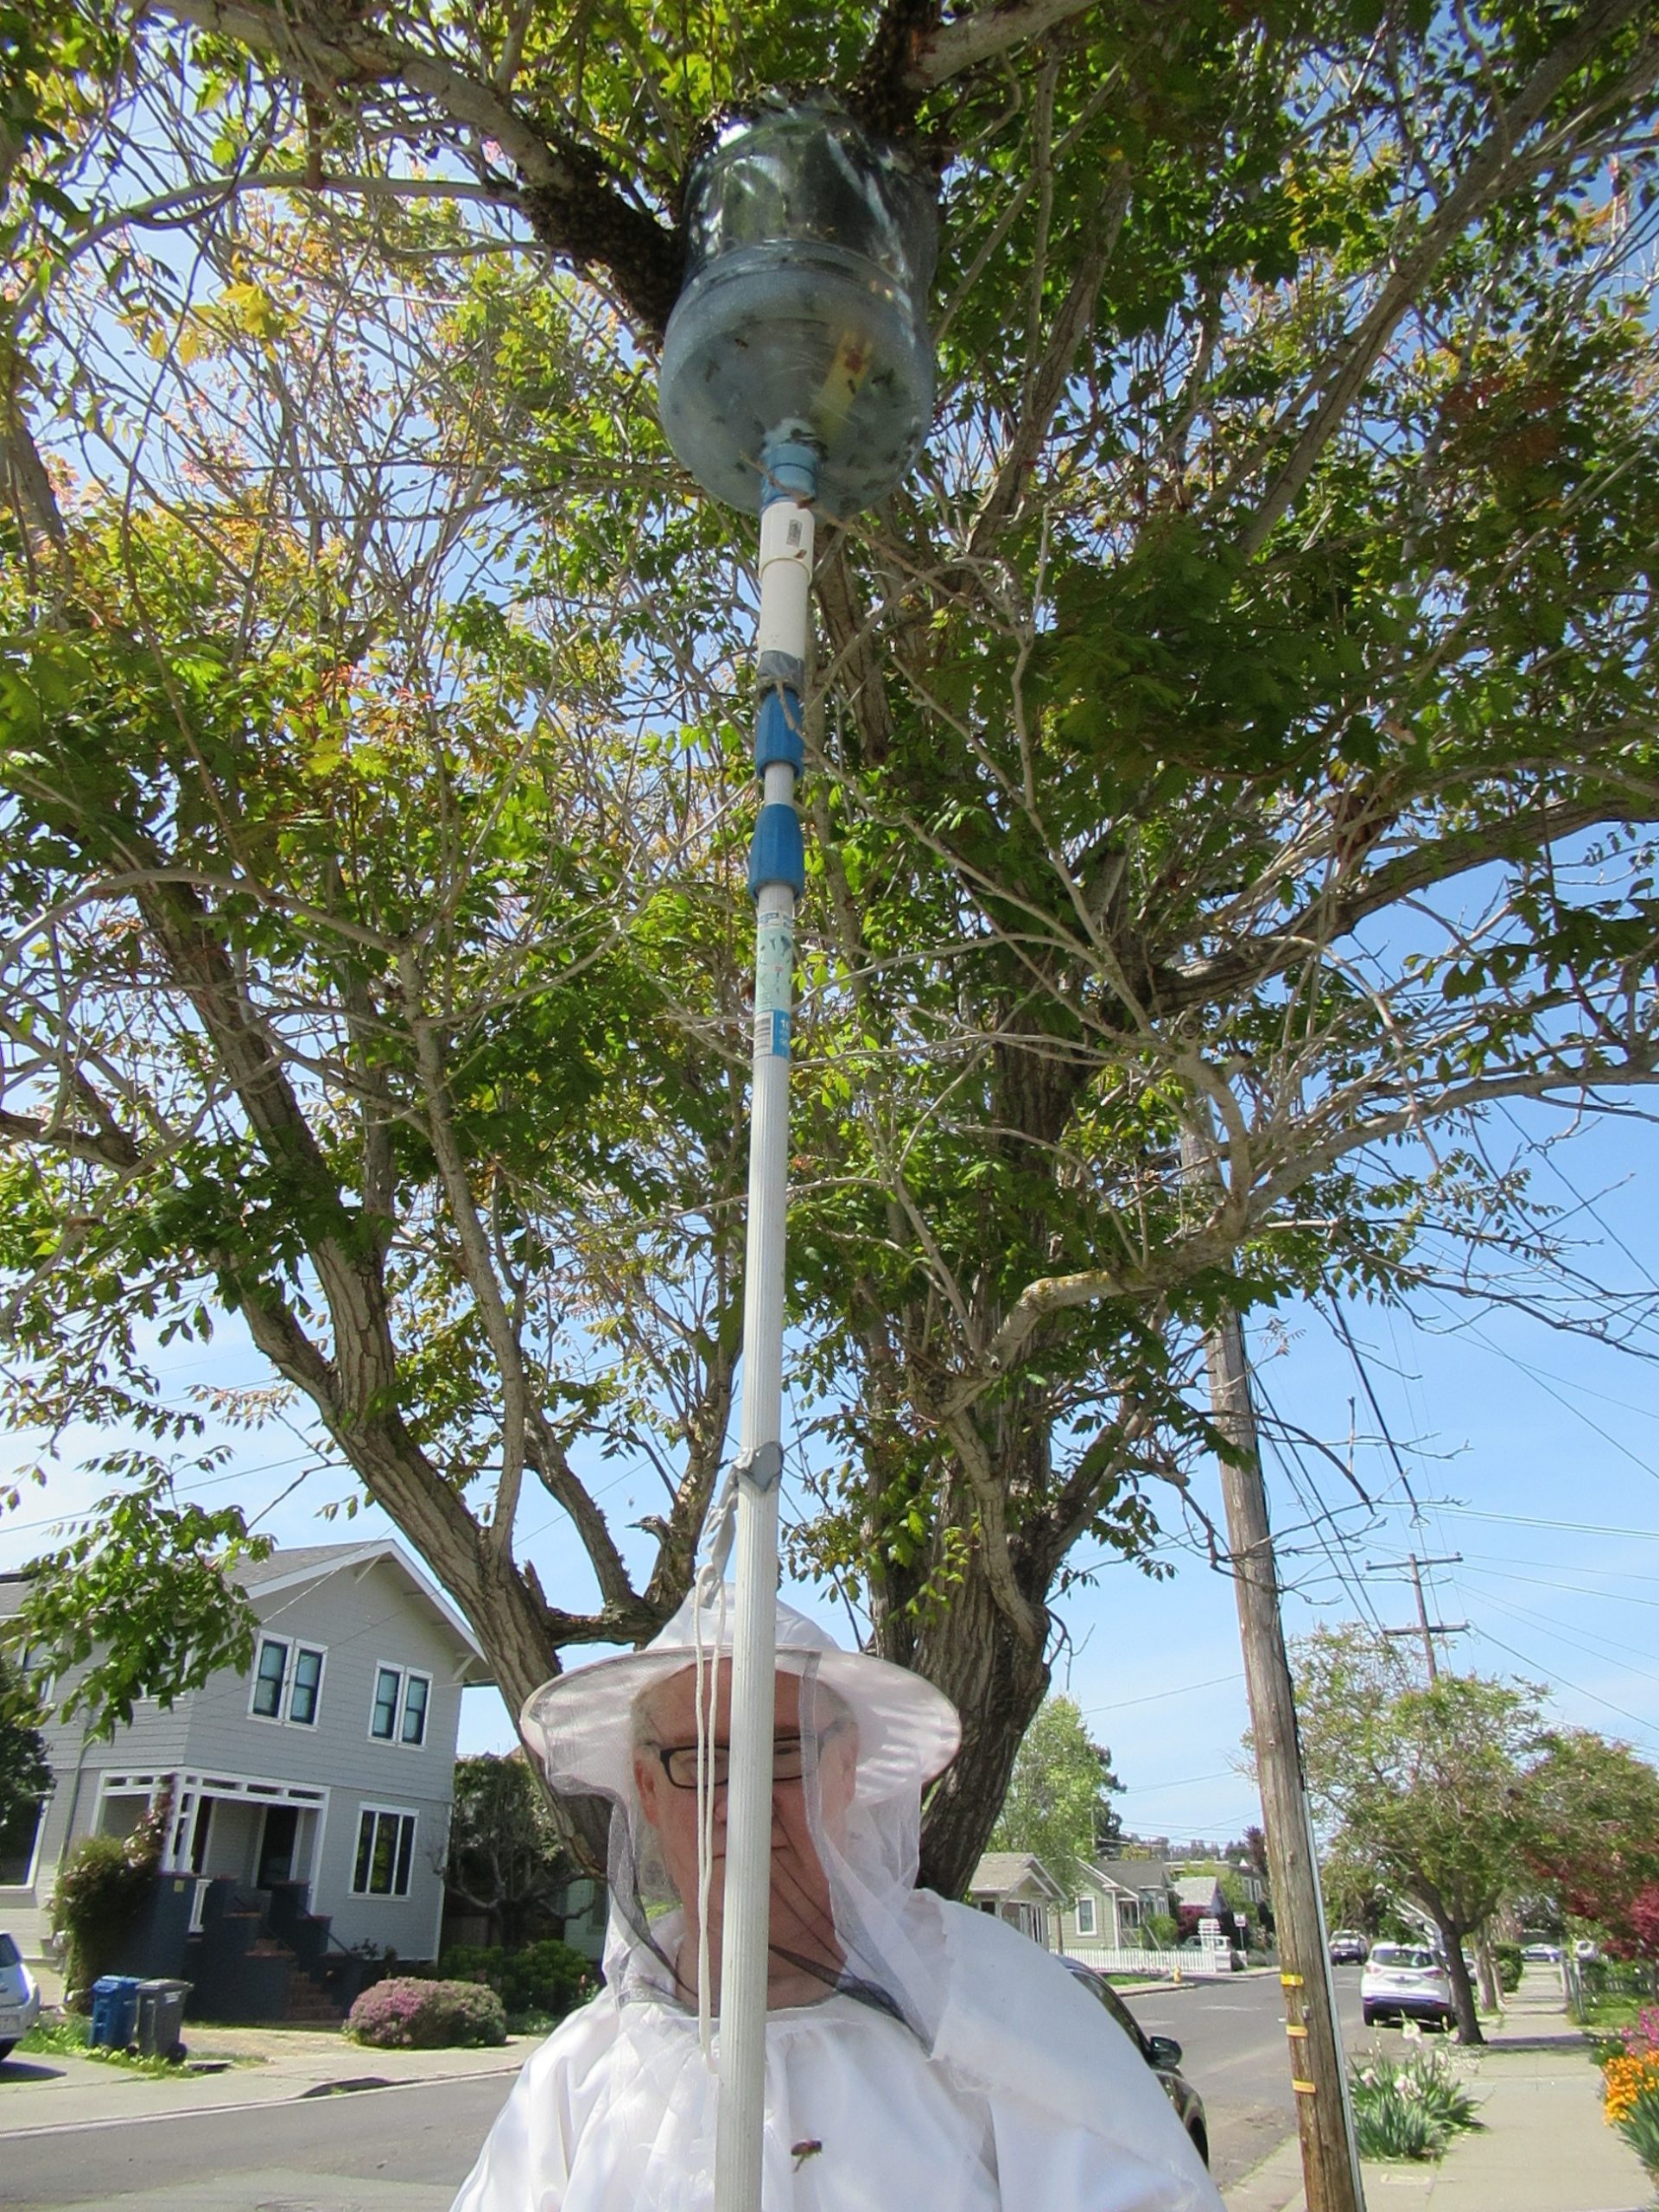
(1106, 1960)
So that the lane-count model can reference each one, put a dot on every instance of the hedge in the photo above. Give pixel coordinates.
(403, 2014)
(540, 1980)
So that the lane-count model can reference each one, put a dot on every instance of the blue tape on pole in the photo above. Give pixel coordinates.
(778, 733)
(789, 470)
(778, 853)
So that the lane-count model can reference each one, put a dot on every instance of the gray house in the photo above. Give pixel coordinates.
(309, 1798)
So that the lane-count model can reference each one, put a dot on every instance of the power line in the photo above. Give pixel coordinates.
(1122, 1705)
(1531, 1521)
(1573, 1589)
(1364, 1375)
(1578, 1688)
(1610, 1653)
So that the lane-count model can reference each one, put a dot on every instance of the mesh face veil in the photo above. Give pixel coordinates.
(856, 1740)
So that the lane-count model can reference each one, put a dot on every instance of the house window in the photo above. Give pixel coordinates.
(385, 1849)
(1131, 1912)
(388, 1688)
(308, 1688)
(415, 1697)
(401, 1698)
(268, 1679)
(1085, 1916)
(20, 1831)
(287, 1682)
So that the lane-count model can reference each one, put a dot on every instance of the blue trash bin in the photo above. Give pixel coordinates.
(115, 2010)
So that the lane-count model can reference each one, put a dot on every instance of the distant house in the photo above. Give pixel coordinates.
(1103, 1912)
(308, 1799)
(1146, 1881)
(1017, 1887)
(1201, 1892)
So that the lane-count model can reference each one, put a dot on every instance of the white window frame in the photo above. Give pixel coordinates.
(405, 1676)
(1084, 1914)
(378, 1813)
(291, 1647)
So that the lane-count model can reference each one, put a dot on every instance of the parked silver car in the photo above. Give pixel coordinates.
(1405, 1982)
(20, 2000)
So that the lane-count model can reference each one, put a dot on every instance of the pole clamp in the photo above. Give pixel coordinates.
(762, 1468)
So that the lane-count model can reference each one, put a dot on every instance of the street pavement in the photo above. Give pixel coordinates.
(1233, 2053)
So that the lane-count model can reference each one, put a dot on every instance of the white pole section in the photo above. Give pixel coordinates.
(777, 878)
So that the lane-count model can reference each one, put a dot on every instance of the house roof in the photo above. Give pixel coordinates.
(1136, 1874)
(1002, 1873)
(1198, 1889)
(1097, 1878)
(287, 1567)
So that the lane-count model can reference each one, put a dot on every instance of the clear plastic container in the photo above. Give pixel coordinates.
(810, 250)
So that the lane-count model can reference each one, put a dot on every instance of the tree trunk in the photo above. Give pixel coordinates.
(996, 1680)
(1462, 1994)
(1492, 1997)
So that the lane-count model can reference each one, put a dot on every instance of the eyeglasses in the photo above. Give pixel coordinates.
(788, 1761)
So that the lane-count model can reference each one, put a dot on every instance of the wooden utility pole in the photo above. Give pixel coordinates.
(1426, 1629)
(1323, 2117)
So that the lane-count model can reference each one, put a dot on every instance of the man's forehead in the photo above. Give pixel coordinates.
(674, 1698)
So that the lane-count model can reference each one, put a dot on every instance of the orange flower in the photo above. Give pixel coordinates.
(1628, 2081)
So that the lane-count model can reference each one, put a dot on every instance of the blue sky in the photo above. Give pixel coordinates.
(1533, 1454)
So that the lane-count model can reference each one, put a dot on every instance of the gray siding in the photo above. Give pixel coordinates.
(362, 1617)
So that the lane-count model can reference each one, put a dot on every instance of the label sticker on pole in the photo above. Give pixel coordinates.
(774, 961)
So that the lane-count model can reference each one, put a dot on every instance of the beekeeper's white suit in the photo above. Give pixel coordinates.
(918, 2055)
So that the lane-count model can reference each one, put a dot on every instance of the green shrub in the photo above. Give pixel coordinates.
(1410, 2109)
(540, 1981)
(1506, 1957)
(1164, 1929)
(404, 2014)
(102, 1890)
(1640, 2128)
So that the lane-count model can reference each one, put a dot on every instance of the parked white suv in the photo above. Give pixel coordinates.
(1405, 1982)
(20, 2001)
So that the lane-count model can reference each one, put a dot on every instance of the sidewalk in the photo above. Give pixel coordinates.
(267, 2066)
(1544, 2147)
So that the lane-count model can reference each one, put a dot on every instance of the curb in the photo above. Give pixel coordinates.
(361, 2087)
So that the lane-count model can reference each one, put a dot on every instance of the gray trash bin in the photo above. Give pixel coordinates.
(160, 2018)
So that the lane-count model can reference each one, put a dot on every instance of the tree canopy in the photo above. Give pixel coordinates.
(1058, 1804)
(1240, 729)
(1455, 1797)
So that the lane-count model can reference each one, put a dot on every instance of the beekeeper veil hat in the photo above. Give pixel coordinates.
(586, 1725)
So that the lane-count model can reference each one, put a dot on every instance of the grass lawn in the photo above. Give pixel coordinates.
(68, 2035)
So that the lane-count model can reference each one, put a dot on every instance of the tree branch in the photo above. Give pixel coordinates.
(106, 1148)
(577, 213)
(1490, 168)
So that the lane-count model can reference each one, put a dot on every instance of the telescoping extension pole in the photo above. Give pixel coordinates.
(777, 878)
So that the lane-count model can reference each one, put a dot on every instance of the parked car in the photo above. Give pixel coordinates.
(1405, 1982)
(20, 2000)
(1542, 1953)
(1349, 1948)
(1587, 1951)
(1161, 2053)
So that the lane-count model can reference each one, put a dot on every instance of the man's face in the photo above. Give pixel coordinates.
(801, 1916)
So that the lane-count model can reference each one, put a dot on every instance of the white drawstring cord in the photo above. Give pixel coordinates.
(711, 1579)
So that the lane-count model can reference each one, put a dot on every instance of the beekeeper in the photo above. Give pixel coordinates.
(917, 2053)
